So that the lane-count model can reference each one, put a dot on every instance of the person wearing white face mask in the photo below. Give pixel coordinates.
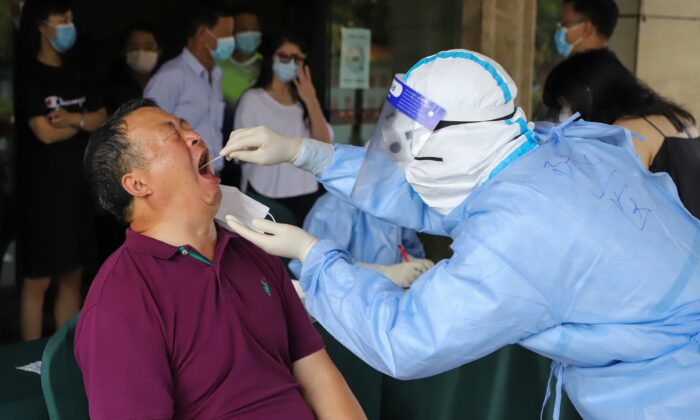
(563, 243)
(132, 69)
(285, 99)
(134, 66)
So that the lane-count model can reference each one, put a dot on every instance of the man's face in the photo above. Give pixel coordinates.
(222, 29)
(573, 22)
(48, 27)
(174, 153)
(247, 22)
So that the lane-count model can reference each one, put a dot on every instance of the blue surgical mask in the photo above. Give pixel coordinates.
(65, 37)
(563, 46)
(224, 47)
(248, 42)
(286, 72)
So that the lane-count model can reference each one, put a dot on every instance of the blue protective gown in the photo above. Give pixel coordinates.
(366, 238)
(573, 251)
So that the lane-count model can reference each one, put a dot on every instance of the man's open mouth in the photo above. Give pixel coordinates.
(204, 168)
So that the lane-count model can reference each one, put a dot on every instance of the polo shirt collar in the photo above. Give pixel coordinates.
(197, 67)
(162, 250)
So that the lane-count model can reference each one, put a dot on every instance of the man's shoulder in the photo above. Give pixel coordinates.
(117, 279)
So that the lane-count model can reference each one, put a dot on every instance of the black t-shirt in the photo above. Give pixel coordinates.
(680, 158)
(50, 177)
(47, 88)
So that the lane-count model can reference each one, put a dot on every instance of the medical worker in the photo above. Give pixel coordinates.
(563, 243)
(384, 247)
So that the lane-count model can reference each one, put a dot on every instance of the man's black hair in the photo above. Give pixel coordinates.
(245, 9)
(206, 15)
(110, 155)
(601, 13)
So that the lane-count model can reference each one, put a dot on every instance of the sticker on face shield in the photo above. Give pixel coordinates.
(414, 105)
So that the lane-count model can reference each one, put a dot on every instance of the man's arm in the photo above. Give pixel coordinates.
(391, 198)
(125, 365)
(324, 388)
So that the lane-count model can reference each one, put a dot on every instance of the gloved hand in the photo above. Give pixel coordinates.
(405, 273)
(283, 240)
(261, 145)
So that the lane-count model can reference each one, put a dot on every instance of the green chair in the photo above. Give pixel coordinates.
(61, 379)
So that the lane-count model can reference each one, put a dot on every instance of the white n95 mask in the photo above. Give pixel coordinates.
(239, 205)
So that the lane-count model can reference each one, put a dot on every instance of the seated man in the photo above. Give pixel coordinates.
(186, 319)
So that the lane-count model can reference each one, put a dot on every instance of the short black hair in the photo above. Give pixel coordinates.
(245, 9)
(596, 84)
(139, 27)
(602, 14)
(48, 8)
(110, 155)
(206, 15)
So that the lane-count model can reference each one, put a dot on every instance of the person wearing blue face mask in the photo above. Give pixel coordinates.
(189, 85)
(241, 70)
(58, 107)
(585, 25)
(285, 98)
(239, 73)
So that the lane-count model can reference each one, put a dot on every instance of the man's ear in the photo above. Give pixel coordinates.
(44, 29)
(588, 29)
(136, 185)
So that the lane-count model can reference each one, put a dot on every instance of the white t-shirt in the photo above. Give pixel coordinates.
(257, 107)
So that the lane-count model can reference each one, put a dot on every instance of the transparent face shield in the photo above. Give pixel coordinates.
(406, 117)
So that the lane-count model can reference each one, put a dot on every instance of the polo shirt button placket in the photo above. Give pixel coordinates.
(184, 252)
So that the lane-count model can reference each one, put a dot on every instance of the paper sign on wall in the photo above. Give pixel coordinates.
(354, 58)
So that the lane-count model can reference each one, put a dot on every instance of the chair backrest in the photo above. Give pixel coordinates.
(61, 379)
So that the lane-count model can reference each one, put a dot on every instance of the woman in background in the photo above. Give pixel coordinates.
(136, 62)
(599, 87)
(138, 56)
(284, 100)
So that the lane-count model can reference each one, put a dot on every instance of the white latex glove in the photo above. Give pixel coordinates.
(405, 273)
(261, 145)
(279, 239)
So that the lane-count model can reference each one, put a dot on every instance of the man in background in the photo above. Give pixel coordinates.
(585, 25)
(189, 85)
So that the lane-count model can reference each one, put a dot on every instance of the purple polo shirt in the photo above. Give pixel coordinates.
(166, 334)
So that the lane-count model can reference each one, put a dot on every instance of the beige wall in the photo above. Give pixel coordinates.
(668, 57)
(505, 31)
(624, 39)
(657, 40)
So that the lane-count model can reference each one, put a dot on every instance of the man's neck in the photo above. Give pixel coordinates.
(592, 43)
(198, 232)
(201, 53)
(48, 55)
(241, 58)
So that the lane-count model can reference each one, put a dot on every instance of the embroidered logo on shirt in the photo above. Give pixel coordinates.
(265, 286)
